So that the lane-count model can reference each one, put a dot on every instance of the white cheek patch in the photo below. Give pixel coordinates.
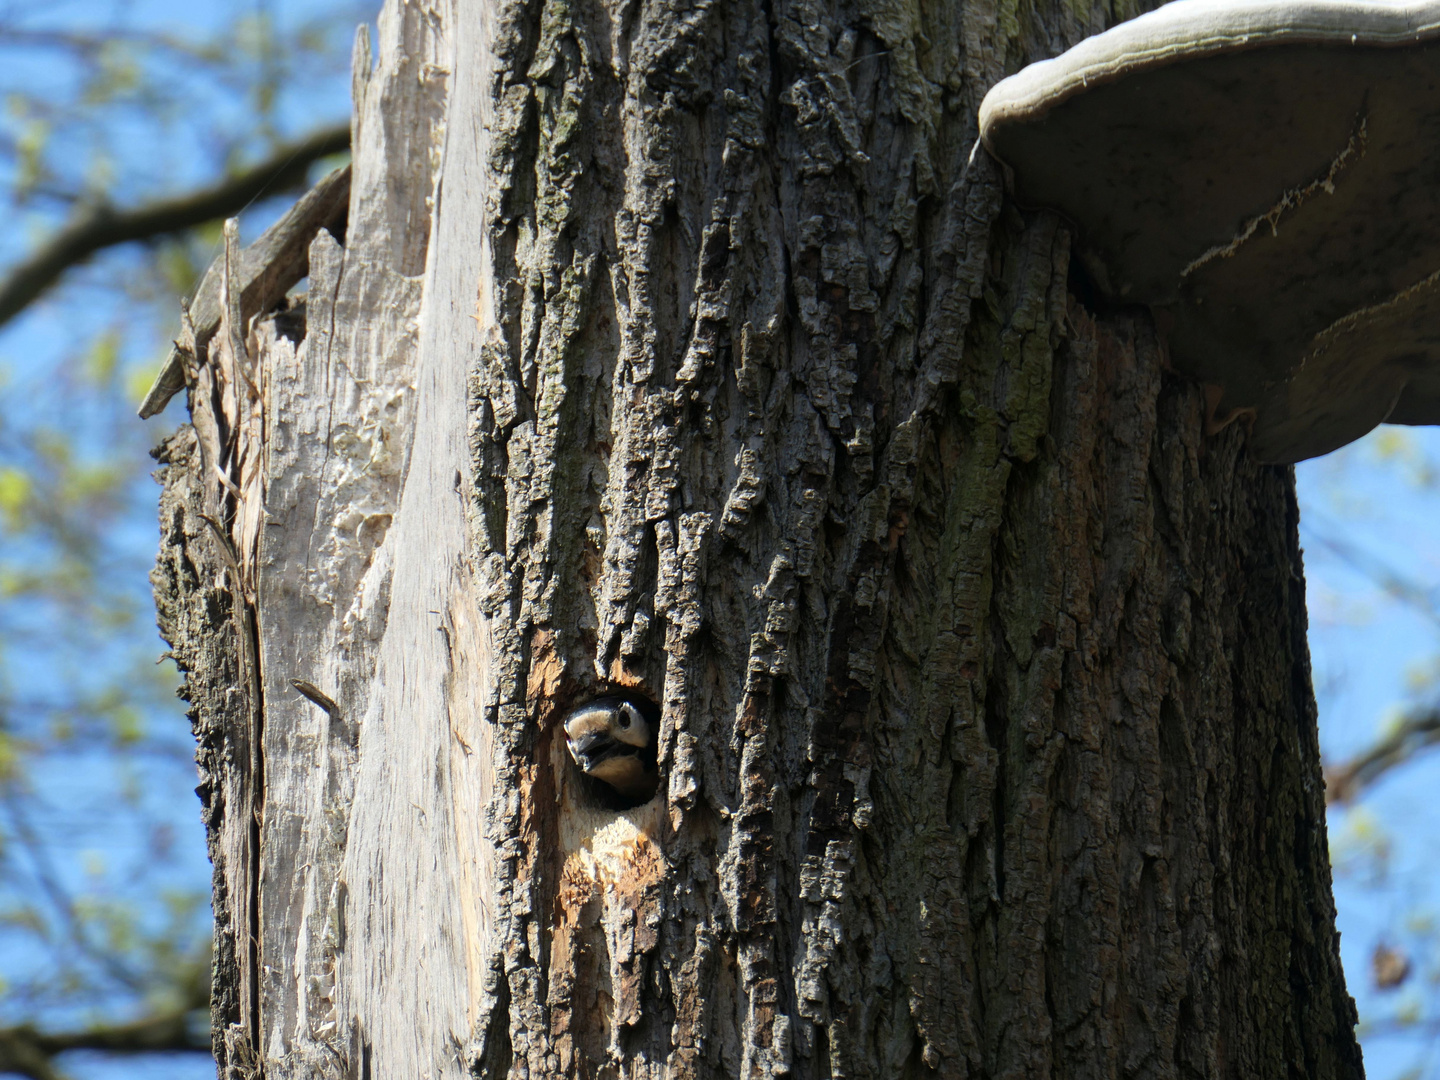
(636, 732)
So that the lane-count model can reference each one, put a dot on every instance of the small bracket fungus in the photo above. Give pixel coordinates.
(1266, 176)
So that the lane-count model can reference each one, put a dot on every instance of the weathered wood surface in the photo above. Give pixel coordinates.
(691, 350)
(268, 269)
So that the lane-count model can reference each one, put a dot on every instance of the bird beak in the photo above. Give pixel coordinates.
(590, 748)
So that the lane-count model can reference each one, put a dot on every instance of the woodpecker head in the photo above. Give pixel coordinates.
(613, 739)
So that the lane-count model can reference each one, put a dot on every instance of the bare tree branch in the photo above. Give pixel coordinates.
(1391, 581)
(1346, 782)
(89, 44)
(29, 1052)
(96, 227)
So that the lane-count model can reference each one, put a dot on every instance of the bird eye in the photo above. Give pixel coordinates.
(625, 716)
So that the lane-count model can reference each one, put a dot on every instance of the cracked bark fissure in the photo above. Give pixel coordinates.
(686, 347)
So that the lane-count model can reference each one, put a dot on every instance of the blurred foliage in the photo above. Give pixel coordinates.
(103, 879)
(1373, 573)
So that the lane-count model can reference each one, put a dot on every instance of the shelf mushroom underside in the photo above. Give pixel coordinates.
(1279, 209)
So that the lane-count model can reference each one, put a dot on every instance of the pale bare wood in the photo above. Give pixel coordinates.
(341, 509)
(268, 269)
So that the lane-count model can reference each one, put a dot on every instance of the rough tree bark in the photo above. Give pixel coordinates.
(689, 347)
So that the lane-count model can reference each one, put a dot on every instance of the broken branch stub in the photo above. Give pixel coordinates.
(268, 269)
(1266, 176)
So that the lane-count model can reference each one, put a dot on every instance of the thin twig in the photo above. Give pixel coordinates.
(1394, 584)
(57, 895)
(1346, 782)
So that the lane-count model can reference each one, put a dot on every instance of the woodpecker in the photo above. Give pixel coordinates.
(613, 739)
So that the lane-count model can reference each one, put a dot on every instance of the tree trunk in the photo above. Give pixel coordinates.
(692, 348)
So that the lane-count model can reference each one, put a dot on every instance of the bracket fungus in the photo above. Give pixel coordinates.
(1266, 177)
